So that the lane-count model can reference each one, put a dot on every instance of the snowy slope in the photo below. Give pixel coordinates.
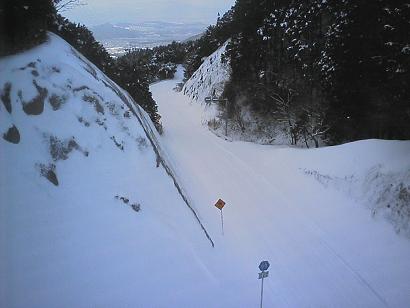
(210, 78)
(304, 210)
(87, 218)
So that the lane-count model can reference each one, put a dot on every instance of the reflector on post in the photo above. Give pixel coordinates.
(220, 204)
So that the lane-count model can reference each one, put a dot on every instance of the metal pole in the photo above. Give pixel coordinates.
(262, 292)
(222, 220)
(226, 117)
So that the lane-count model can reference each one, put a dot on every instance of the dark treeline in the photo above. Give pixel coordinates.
(335, 70)
(24, 24)
(139, 67)
(158, 63)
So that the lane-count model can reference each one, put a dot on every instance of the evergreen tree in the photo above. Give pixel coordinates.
(23, 24)
(367, 71)
(328, 68)
(132, 74)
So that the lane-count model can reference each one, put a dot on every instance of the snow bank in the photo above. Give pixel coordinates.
(382, 184)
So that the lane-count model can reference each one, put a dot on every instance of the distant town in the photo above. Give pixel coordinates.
(120, 37)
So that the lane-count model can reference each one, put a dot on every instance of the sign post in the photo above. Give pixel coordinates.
(263, 274)
(210, 99)
(220, 204)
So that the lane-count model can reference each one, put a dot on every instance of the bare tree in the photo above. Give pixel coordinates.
(312, 123)
(65, 5)
(307, 121)
(284, 102)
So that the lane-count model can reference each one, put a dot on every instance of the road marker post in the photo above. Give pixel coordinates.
(210, 99)
(220, 204)
(263, 266)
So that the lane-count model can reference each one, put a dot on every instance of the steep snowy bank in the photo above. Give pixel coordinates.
(210, 78)
(86, 217)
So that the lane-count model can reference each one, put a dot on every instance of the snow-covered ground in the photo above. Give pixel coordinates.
(293, 207)
(76, 245)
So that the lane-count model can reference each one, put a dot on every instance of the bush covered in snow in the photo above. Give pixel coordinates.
(388, 194)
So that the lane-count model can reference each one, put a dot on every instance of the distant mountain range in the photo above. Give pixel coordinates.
(117, 38)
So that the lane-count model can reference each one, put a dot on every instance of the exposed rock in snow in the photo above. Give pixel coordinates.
(5, 96)
(36, 105)
(12, 135)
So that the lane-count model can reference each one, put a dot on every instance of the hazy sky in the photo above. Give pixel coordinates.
(101, 11)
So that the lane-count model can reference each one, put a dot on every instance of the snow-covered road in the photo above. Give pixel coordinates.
(325, 250)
